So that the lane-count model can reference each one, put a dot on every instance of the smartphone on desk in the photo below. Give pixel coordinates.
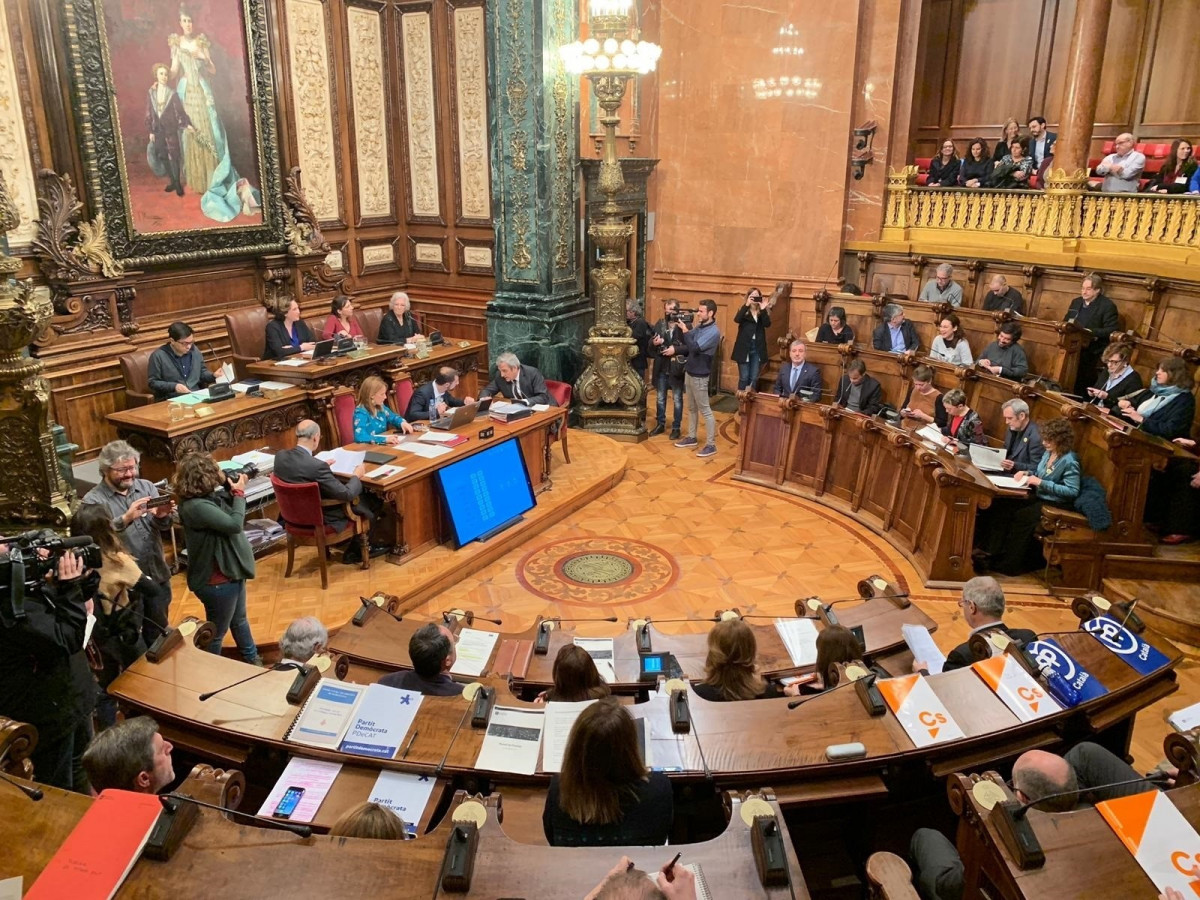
(288, 803)
(798, 679)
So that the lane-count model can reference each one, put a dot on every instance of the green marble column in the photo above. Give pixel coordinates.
(539, 310)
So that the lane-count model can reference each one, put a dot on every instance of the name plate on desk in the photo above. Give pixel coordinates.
(1136, 651)
(1021, 694)
(921, 712)
(1047, 652)
(1162, 841)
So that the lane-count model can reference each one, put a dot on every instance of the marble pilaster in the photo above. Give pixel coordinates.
(539, 310)
(1084, 62)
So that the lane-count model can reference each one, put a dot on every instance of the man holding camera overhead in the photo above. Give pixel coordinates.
(670, 357)
(701, 344)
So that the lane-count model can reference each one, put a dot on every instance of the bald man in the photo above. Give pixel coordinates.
(1002, 297)
(1122, 169)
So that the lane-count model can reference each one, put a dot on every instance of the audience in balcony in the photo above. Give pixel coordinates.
(1168, 407)
(943, 168)
(1176, 172)
(1095, 312)
(1001, 297)
(1118, 379)
(976, 165)
(950, 346)
(1041, 140)
(834, 329)
(1015, 169)
(1122, 169)
(942, 288)
(1005, 356)
(1012, 131)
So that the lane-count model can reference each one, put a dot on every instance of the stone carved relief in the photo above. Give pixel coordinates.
(370, 111)
(15, 164)
(312, 81)
(470, 85)
(378, 255)
(517, 94)
(421, 108)
(563, 177)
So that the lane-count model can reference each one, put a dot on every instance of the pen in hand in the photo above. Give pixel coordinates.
(669, 869)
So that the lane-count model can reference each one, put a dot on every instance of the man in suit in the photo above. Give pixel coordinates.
(434, 400)
(1041, 140)
(858, 391)
(797, 375)
(1095, 312)
(894, 334)
(514, 381)
(982, 604)
(431, 649)
(1023, 442)
(300, 465)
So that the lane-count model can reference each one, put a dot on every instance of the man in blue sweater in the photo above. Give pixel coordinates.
(701, 343)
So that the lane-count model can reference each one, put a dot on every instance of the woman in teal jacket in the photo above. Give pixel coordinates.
(372, 418)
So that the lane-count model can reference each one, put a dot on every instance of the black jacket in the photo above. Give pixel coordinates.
(1171, 420)
(164, 371)
(296, 465)
(642, 334)
(645, 818)
(972, 171)
(970, 429)
(882, 338)
(672, 337)
(279, 342)
(1024, 448)
(1100, 317)
(872, 394)
(960, 657)
(1130, 384)
(393, 331)
(943, 175)
(419, 407)
(533, 387)
(809, 379)
(1011, 300)
(750, 333)
(825, 335)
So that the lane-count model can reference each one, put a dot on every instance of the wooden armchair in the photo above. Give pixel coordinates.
(561, 392)
(17, 741)
(1078, 550)
(889, 878)
(303, 514)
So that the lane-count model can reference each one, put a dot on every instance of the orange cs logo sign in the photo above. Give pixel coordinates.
(1030, 695)
(932, 721)
(1188, 865)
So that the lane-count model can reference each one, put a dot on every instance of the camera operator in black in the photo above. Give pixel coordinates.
(670, 357)
(44, 675)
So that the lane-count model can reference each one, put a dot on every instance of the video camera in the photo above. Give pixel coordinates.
(24, 567)
(686, 316)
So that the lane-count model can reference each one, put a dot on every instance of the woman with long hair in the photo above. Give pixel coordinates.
(287, 333)
(341, 321)
(976, 165)
(1168, 407)
(834, 329)
(1176, 172)
(950, 346)
(372, 417)
(944, 168)
(576, 678)
(605, 795)
(753, 318)
(730, 671)
(835, 644)
(923, 403)
(1010, 132)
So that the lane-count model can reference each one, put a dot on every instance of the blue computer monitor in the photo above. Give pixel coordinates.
(485, 492)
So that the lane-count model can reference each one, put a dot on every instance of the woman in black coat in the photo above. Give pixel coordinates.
(287, 334)
(944, 168)
(1119, 379)
(750, 345)
(976, 165)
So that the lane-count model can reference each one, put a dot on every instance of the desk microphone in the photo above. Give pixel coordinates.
(541, 646)
(1019, 810)
(278, 667)
(33, 793)
(171, 802)
(447, 614)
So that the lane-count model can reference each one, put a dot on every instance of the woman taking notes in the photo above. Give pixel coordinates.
(372, 418)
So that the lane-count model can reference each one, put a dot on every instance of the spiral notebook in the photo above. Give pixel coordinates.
(325, 716)
(702, 891)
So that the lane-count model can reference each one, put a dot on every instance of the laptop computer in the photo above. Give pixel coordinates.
(322, 349)
(459, 415)
(482, 407)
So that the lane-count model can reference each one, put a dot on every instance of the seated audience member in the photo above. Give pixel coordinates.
(835, 644)
(1194, 184)
(576, 678)
(729, 669)
(604, 795)
(129, 756)
(1118, 379)
(976, 165)
(1176, 172)
(515, 381)
(1023, 440)
(1015, 169)
(1095, 312)
(1168, 407)
(431, 649)
(923, 403)
(1041, 141)
(895, 334)
(1122, 169)
(177, 367)
(834, 329)
(287, 334)
(624, 882)
(996, 547)
(1005, 356)
(950, 346)
(373, 417)
(942, 288)
(944, 168)
(1010, 133)
(303, 639)
(1086, 773)
(962, 423)
(982, 606)
(1173, 504)
(341, 323)
(1002, 297)
(753, 318)
(796, 375)
(433, 399)
(858, 391)
(1058, 473)
(371, 821)
(398, 325)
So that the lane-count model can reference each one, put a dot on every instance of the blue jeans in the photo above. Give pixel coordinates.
(748, 371)
(225, 607)
(662, 384)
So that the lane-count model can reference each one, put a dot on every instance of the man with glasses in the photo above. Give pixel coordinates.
(177, 367)
(127, 499)
(1122, 169)
(982, 606)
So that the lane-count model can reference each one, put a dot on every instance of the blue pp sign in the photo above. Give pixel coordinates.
(1049, 653)
(1120, 640)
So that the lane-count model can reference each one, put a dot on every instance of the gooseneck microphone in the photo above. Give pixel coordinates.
(1154, 778)
(33, 793)
(278, 667)
(541, 645)
(171, 802)
(447, 614)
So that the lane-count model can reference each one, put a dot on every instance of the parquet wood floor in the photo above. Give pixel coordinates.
(732, 545)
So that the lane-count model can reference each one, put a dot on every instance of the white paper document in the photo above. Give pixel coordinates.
(264, 462)
(541, 407)
(87, 629)
(1003, 481)
(326, 714)
(426, 451)
(1186, 718)
(384, 472)
(404, 793)
(512, 742)
(439, 437)
(920, 642)
(988, 459)
(342, 461)
(274, 386)
(474, 650)
(560, 718)
(382, 719)
(314, 776)
(601, 652)
(800, 638)
(932, 433)
(292, 362)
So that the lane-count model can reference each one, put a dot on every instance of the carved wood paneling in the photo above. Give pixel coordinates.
(420, 108)
(368, 83)
(15, 162)
(472, 172)
(313, 106)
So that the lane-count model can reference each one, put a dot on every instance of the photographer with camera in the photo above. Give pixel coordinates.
(750, 345)
(45, 600)
(670, 356)
(141, 516)
(212, 509)
(701, 344)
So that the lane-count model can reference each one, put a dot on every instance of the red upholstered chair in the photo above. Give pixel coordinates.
(561, 392)
(343, 415)
(922, 163)
(402, 394)
(369, 321)
(302, 511)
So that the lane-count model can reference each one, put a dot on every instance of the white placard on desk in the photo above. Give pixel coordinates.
(512, 742)
(799, 636)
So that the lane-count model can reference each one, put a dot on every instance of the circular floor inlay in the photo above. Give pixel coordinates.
(597, 570)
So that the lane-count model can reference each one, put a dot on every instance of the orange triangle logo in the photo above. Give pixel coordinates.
(1195, 886)
(1033, 706)
(1128, 817)
(933, 732)
(895, 690)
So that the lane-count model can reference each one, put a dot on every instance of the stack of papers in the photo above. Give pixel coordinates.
(274, 386)
(1003, 481)
(342, 461)
(474, 650)
(426, 451)
(512, 742)
(601, 652)
(560, 719)
(191, 399)
(987, 458)
(293, 362)
(800, 638)
(265, 462)
(920, 642)
(932, 433)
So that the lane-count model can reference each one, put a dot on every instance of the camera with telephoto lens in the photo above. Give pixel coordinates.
(686, 316)
(250, 470)
(30, 558)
